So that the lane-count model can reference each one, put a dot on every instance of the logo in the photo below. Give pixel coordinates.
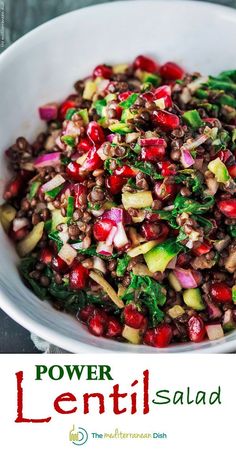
(78, 436)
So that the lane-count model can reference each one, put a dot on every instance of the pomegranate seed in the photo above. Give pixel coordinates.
(166, 120)
(97, 324)
(59, 265)
(153, 231)
(164, 92)
(45, 256)
(164, 190)
(204, 248)
(171, 71)
(149, 337)
(103, 71)
(228, 207)
(64, 107)
(92, 161)
(86, 312)
(221, 292)
(196, 329)
(102, 228)
(153, 153)
(125, 171)
(132, 317)
(95, 133)
(73, 170)
(80, 193)
(119, 111)
(78, 276)
(114, 328)
(232, 171)
(148, 96)
(115, 184)
(224, 155)
(18, 235)
(84, 145)
(145, 64)
(167, 169)
(13, 188)
(124, 96)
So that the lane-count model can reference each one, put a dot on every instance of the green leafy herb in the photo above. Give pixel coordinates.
(91, 251)
(129, 101)
(122, 264)
(99, 106)
(148, 292)
(147, 168)
(53, 193)
(189, 205)
(55, 237)
(70, 206)
(182, 236)
(68, 139)
(70, 112)
(220, 83)
(232, 230)
(34, 189)
(193, 181)
(65, 160)
(71, 300)
(26, 266)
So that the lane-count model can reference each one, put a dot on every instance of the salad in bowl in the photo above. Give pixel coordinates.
(123, 211)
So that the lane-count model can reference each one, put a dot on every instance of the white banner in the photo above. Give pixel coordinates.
(108, 402)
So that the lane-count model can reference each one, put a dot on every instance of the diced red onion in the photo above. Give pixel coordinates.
(194, 144)
(111, 235)
(99, 264)
(19, 223)
(63, 235)
(131, 137)
(186, 158)
(214, 311)
(185, 277)
(53, 183)
(104, 249)
(110, 137)
(51, 159)
(120, 238)
(67, 254)
(48, 112)
(117, 214)
(153, 141)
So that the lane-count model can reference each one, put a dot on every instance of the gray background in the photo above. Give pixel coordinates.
(22, 16)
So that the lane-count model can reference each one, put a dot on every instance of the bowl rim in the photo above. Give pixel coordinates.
(24, 319)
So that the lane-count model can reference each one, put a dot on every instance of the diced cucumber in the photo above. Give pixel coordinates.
(228, 321)
(84, 115)
(218, 168)
(159, 257)
(137, 200)
(57, 218)
(120, 127)
(131, 334)
(120, 68)
(28, 244)
(7, 215)
(214, 332)
(176, 311)
(193, 119)
(126, 115)
(89, 89)
(142, 249)
(193, 299)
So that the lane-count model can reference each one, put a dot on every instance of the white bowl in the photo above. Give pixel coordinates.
(43, 65)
